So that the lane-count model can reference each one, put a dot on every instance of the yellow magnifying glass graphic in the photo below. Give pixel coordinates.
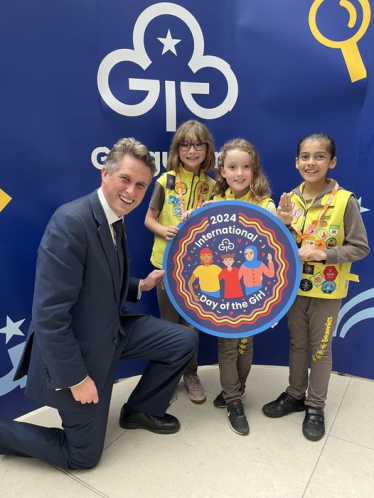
(349, 48)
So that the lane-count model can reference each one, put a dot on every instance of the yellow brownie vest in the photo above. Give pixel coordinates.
(228, 196)
(327, 281)
(171, 212)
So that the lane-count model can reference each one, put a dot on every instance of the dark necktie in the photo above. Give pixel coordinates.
(119, 230)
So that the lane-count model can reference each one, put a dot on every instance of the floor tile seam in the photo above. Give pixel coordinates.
(80, 481)
(340, 438)
(340, 404)
(328, 435)
(315, 465)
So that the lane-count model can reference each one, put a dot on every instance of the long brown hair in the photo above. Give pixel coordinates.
(191, 128)
(260, 187)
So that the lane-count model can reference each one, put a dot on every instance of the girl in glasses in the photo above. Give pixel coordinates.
(184, 186)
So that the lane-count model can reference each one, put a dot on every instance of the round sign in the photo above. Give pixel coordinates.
(232, 270)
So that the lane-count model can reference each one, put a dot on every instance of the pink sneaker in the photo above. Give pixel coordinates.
(195, 390)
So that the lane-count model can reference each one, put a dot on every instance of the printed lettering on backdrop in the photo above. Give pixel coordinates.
(232, 270)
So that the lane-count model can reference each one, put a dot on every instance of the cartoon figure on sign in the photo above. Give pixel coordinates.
(230, 276)
(252, 270)
(207, 274)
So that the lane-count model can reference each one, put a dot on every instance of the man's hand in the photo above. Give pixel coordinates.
(307, 253)
(85, 392)
(152, 280)
(284, 210)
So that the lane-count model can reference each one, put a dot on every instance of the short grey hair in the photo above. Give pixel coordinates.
(132, 147)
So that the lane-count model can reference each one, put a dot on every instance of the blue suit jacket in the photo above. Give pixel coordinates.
(77, 308)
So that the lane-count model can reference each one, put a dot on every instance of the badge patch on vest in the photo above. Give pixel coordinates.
(317, 279)
(322, 234)
(306, 285)
(171, 199)
(311, 229)
(309, 241)
(170, 182)
(328, 287)
(308, 269)
(330, 243)
(182, 186)
(330, 273)
(204, 188)
(177, 211)
(334, 230)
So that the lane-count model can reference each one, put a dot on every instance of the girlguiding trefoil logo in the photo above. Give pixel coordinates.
(188, 89)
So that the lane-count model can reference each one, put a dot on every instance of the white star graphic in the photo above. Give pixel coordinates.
(11, 329)
(362, 209)
(169, 43)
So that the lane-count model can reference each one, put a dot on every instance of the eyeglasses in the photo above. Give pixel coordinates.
(198, 146)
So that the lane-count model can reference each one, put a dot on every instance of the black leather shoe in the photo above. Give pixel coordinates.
(314, 423)
(131, 419)
(283, 405)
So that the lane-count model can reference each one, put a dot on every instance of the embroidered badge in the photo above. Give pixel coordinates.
(334, 230)
(322, 234)
(308, 269)
(177, 211)
(330, 273)
(204, 188)
(328, 287)
(320, 244)
(306, 285)
(182, 186)
(317, 279)
(312, 230)
(170, 182)
(171, 199)
(330, 243)
(309, 241)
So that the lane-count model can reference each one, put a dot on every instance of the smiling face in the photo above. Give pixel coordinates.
(206, 258)
(249, 254)
(237, 171)
(192, 158)
(314, 161)
(124, 189)
(228, 262)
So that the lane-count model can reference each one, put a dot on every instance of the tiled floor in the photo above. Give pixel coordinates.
(207, 459)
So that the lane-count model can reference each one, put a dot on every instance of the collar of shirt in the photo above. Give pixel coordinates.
(109, 213)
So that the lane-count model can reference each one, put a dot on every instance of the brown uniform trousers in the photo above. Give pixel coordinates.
(235, 361)
(311, 323)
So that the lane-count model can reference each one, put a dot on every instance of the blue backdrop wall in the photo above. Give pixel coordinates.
(78, 75)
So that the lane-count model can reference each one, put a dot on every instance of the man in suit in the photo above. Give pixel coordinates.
(80, 327)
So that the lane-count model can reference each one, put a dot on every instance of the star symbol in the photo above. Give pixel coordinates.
(11, 328)
(169, 43)
(362, 209)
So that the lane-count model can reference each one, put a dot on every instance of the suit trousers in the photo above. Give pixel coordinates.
(79, 444)
(311, 323)
(235, 362)
(169, 313)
